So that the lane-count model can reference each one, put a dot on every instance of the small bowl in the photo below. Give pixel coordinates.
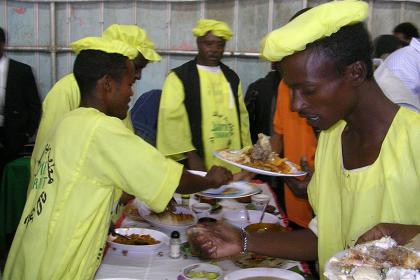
(265, 227)
(201, 208)
(201, 268)
(238, 218)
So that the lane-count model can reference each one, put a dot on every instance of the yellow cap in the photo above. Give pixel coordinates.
(312, 25)
(105, 45)
(135, 37)
(218, 28)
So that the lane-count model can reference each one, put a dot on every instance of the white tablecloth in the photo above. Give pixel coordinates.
(159, 266)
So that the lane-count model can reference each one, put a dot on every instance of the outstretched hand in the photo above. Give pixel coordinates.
(215, 240)
(219, 176)
(402, 234)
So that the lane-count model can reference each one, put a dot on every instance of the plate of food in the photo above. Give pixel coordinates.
(249, 260)
(379, 259)
(233, 190)
(260, 159)
(140, 240)
(263, 273)
(168, 221)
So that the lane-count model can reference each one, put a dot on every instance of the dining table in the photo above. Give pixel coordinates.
(159, 265)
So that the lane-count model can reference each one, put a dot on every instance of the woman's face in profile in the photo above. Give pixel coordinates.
(318, 92)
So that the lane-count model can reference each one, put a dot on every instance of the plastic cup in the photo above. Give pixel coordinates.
(260, 201)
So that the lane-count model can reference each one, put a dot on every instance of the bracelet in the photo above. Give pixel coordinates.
(244, 236)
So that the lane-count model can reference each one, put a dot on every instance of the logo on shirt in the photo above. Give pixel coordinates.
(44, 175)
(221, 128)
(45, 169)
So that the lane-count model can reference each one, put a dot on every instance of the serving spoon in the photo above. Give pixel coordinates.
(263, 212)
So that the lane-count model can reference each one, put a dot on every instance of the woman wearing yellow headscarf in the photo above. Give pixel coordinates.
(367, 162)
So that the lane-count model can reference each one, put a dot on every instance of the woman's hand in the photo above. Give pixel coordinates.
(215, 240)
(219, 176)
(402, 234)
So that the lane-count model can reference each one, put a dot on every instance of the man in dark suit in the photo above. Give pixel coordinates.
(20, 105)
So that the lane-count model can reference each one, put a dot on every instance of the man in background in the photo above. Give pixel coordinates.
(201, 108)
(20, 105)
(405, 32)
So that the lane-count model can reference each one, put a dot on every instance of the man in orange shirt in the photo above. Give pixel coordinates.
(293, 137)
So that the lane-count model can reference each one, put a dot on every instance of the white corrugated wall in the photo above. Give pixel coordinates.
(39, 32)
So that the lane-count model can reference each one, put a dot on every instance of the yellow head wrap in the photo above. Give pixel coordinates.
(314, 24)
(105, 45)
(218, 28)
(135, 37)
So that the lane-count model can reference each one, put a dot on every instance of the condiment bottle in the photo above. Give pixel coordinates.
(185, 200)
(175, 245)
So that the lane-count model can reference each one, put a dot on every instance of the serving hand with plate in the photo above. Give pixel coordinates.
(260, 159)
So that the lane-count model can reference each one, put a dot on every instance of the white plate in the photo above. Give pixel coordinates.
(263, 272)
(242, 188)
(127, 249)
(332, 268)
(294, 172)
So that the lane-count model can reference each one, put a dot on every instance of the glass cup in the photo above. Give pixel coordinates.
(260, 201)
(201, 209)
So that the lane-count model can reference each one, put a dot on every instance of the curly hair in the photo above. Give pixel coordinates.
(349, 44)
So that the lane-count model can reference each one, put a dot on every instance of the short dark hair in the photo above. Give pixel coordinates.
(2, 36)
(92, 65)
(408, 29)
(349, 44)
(385, 44)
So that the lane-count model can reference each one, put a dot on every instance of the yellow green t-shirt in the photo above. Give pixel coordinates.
(220, 127)
(350, 202)
(78, 172)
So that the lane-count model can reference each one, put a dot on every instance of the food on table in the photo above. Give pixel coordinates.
(172, 218)
(228, 191)
(250, 260)
(263, 278)
(261, 156)
(259, 227)
(379, 259)
(203, 275)
(202, 271)
(136, 239)
(131, 211)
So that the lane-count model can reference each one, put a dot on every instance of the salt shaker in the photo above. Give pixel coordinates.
(175, 245)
